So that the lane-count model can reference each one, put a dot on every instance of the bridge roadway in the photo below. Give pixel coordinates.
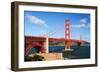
(37, 38)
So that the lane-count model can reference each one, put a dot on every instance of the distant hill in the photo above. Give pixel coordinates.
(72, 43)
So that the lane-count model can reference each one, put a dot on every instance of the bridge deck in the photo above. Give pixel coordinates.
(37, 38)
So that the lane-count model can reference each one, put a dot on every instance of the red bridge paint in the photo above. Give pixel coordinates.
(67, 34)
(31, 45)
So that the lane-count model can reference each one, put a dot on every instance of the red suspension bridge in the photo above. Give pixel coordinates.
(40, 42)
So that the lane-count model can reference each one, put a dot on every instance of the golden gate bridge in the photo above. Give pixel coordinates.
(41, 44)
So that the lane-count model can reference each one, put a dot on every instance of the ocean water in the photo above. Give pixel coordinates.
(79, 52)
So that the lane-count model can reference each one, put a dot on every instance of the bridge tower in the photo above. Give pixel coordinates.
(67, 34)
(81, 42)
(80, 38)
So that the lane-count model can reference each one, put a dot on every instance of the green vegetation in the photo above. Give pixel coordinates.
(28, 58)
(36, 57)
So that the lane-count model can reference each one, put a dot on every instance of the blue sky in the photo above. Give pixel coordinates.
(52, 24)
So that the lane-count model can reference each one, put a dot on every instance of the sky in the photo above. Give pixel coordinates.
(51, 24)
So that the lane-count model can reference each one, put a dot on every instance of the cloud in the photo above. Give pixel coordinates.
(37, 21)
(82, 24)
(83, 20)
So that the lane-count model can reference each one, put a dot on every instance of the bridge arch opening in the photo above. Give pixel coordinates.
(38, 48)
(35, 49)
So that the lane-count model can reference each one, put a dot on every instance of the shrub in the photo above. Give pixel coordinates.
(28, 58)
(38, 58)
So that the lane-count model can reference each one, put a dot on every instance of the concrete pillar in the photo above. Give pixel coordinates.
(47, 45)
